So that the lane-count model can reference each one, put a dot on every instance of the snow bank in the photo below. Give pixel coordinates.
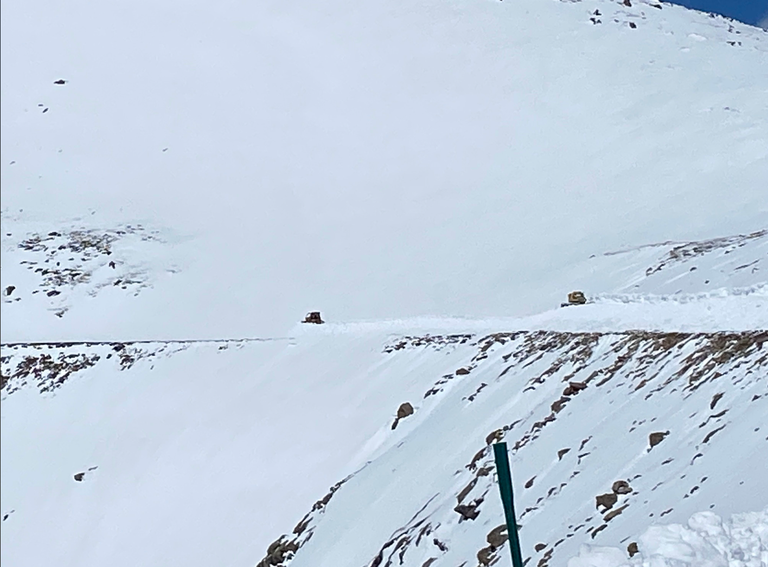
(707, 541)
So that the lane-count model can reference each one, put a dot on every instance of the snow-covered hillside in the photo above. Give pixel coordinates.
(204, 452)
(182, 182)
(377, 160)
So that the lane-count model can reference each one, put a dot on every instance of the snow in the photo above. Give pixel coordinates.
(706, 541)
(374, 162)
(435, 177)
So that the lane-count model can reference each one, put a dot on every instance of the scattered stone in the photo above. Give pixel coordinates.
(498, 536)
(60, 82)
(469, 511)
(558, 405)
(621, 487)
(562, 452)
(313, 317)
(466, 490)
(9, 290)
(577, 297)
(606, 500)
(405, 410)
(494, 436)
(574, 388)
(530, 482)
(611, 515)
(485, 556)
(462, 372)
(79, 476)
(656, 438)
(112, 264)
(628, 3)
(632, 25)
(632, 549)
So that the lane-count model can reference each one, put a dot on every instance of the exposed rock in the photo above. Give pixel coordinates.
(632, 549)
(656, 438)
(313, 317)
(558, 405)
(494, 436)
(577, 298)
(466, 490)
(611, 515)
(606, 500)
(485, 556)
(462, 372)
(562, 452)
(498, 536)
(469, 511)
(404, 410)
(540, 547)
(621, 487)
(574, 388)
(278, 552)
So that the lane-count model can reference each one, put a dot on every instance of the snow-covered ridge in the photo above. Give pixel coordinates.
(581, 413)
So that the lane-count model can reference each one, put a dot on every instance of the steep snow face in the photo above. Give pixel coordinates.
(201, 452)
(607, 434)
(376, 160)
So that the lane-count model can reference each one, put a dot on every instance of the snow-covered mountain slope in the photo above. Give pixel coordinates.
(585, 415)
(435, 177)
(205, 452)
(373, 160)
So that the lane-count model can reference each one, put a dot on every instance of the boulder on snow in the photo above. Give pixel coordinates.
(498, 536)
(577, 298)
(656, 438)
(313, 317)
(621, 487)
(404, 410)
(606, 500)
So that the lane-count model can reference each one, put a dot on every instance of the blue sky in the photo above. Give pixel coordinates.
(749, 11)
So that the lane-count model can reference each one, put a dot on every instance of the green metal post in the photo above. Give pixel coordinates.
(505, 487)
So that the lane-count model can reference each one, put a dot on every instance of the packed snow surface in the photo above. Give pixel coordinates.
(705, 541)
